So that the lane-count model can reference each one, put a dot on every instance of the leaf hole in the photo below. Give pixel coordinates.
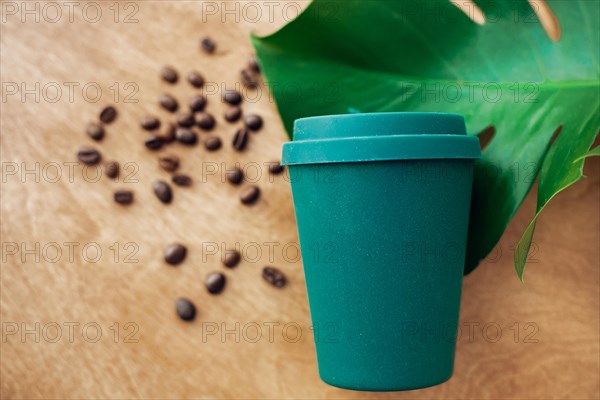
(547, 18)
(471, 10)
(555, 134)
(486, 136)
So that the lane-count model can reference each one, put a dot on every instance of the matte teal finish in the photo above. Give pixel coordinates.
(383, 246)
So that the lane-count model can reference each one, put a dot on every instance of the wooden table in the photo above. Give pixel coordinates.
(89, 325)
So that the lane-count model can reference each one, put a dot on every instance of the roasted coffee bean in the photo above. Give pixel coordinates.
(169, 74)
(240, 139)
(205, 121)
(186, 310)
(154, 142)
(249, 79)
(185, 119)
(253, 64)
(169, 163)
(208, 45)
(186, 136)
(124, 196)
(108, 114)
(274, 276)
(162, 190)
(167, 133)
(212, 143)
(232, 258)
(95, 131)
(253, 122)
(215, 282)
(197, 103)
(89, 155)
(250, 195)
(195, 79)
(232, 97)
(275, 168)
(168, 102)
(150, 123)
(182, 180)
(175, 253)
(233, 114)
(235, 176)
(111, 169)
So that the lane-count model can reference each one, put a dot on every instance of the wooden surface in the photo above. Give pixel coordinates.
(557, 308)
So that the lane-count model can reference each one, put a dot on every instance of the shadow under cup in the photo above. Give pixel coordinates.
(382, 205)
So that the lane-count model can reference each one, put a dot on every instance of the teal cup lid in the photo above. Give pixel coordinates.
(379, 137)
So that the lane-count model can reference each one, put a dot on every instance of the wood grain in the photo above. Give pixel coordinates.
(558, 307)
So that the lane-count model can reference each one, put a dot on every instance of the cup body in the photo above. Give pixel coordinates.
(383, 251)
(383, 246)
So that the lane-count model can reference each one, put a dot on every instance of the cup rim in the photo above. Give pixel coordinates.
(379, 137)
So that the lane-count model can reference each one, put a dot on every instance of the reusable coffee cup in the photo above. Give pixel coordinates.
(382, 205)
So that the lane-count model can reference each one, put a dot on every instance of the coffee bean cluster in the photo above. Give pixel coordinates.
(191, 123)
(214, 282)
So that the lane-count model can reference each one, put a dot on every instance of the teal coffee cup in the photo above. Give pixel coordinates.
(382, 205)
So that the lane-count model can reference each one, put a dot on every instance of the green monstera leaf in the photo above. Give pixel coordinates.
(562, 168)
(372, 56)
